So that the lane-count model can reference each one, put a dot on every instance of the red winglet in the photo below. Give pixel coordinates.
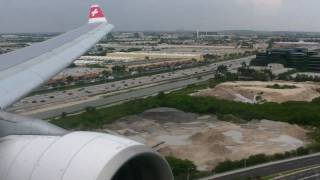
(96, 14)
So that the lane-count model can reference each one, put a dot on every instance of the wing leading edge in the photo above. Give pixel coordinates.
(24, 70)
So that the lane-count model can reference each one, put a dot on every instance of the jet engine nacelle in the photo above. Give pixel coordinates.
(79, 156)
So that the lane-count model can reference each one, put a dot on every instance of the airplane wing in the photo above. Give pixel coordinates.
(33, 149)
(24, 70)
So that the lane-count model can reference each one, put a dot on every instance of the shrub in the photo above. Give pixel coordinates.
(181, 168)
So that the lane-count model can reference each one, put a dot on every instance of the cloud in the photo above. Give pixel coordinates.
(267, 7)
(63, 15)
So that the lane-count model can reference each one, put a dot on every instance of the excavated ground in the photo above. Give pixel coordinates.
(205, 140)
(248, 91)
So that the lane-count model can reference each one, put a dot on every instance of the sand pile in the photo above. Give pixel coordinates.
(205, 140)
(258, 92)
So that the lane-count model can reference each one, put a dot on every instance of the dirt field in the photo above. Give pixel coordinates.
(258, 92)
(205, 140)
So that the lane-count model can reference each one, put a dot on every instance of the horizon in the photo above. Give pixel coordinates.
(173, 31)
(165, 15)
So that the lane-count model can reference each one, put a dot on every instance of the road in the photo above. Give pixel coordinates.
(310, 173)
(274, 168)
(103, 101)
(74, 100)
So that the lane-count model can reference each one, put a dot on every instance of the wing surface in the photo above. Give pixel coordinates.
(24, 70)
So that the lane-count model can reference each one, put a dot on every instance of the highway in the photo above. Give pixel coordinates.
(275, 168)
(74, 100)
(309, 173)
(125, 96)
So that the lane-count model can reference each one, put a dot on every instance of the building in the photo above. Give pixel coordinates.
(308, 45)
(299, 58)
(77, 74)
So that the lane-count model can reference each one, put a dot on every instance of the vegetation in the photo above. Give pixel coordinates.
(95, 66)
(182, 169)
(244, 72)
(119, 69)
(303, 78)
(131, 50)
(301, 113)
(278, 86)
(251, 74)
(210, 57)
(70, 79)
(215, 57)
(298, 78)
(122, 75)
(287, 75)
(229, 165)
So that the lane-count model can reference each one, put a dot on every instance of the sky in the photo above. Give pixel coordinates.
(159, 15)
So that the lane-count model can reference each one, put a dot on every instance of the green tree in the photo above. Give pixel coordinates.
(161, 95)
(182, 168)
(222, 69)
(225, 166)
(119, 69)
(256, 159)
(69, 79)
(210, 57)
(63, 114)
(105, 73)
(244, 65)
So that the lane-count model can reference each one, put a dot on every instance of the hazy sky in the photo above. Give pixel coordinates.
(62, 15)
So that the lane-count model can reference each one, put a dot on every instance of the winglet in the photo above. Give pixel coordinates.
(96, 14)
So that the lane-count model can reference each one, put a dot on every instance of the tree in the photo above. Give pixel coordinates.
(209, 57)
(72, 65)
(63, 114)
(302, 151)
(225, 166)
(222, 69)
(105, 73)
(181, 168)
(69, 79)
(119, 69)
(244, 65)
(257, 159)
(134, 49)
(161, 95)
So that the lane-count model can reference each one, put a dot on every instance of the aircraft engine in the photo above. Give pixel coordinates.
(79, 156)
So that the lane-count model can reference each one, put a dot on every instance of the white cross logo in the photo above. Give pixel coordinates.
(94, 12)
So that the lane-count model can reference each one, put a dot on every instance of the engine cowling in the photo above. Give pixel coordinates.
(79, 156)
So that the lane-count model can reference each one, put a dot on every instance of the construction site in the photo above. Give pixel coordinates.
(206, 140)
(260, 92)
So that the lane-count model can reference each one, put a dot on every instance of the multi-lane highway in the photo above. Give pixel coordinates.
(279, 167)
(74, 100)
(310, 173)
